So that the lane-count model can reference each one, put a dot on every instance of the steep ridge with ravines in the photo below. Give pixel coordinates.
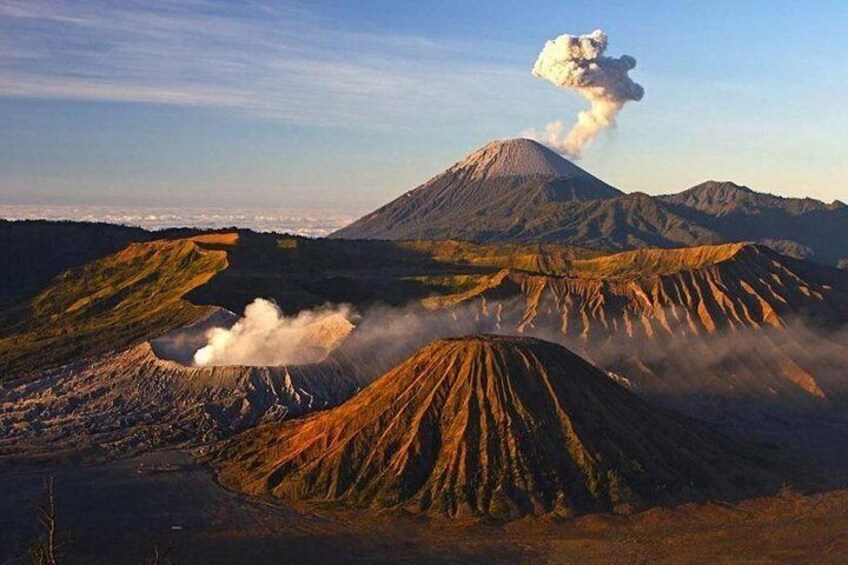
(733, 323)
(729, 333)
(492, 426)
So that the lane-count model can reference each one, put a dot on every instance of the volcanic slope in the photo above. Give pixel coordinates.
(492, 426)
(149, 288)
(702, 326)
(133, 401)
(519, 190)
(485, 196)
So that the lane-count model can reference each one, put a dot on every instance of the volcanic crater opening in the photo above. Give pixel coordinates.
(263, 336)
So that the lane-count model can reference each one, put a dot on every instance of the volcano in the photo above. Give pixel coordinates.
(492, 426)
(493, 186)
(520, 191)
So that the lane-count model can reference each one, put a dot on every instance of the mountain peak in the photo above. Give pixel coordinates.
(490, 426)
(499, 185)
(721, 198)
(721, 186)
(521, 158)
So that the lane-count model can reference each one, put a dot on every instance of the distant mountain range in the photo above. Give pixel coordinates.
(518, 190)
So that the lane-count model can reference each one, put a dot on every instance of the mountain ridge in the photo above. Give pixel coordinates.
(519, 191)
(730, 303)
(723, 197)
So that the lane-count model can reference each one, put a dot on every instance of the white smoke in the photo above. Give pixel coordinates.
(578, 62)
(264, 336)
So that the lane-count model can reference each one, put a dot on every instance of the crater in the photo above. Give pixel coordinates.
(262, 338)
(181, 344)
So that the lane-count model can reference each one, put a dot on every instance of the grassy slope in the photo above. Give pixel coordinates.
(108, 304)
(33, 252)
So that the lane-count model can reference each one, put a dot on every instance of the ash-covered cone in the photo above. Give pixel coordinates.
(492, 426)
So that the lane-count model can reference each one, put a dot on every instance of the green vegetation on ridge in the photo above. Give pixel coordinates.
(106, 305)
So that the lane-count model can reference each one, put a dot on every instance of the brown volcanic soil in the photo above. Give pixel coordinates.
(493, 426)
(725, 332)
(712, 331)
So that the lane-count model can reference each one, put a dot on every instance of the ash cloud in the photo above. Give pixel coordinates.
(578, 63)
(264, 336)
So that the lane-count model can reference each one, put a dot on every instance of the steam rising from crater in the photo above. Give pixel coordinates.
(264, 336)
(578, 63)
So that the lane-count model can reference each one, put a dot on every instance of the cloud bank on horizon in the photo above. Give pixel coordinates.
(299, 221)
(577, 62)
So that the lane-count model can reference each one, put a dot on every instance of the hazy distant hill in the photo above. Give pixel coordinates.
(518, 190)
(802, 227)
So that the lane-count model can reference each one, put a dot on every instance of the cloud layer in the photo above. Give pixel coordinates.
(268, 60)
(306, 222)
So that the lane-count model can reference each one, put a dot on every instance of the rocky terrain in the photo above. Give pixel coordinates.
(719, 331)
(97, 365)
(736, 334)
(134, 401)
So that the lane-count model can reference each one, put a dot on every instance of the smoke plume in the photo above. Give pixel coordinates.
(264, 336)
(578, 63)
(718, 376)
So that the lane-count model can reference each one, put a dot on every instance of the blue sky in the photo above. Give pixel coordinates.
(345, 105)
